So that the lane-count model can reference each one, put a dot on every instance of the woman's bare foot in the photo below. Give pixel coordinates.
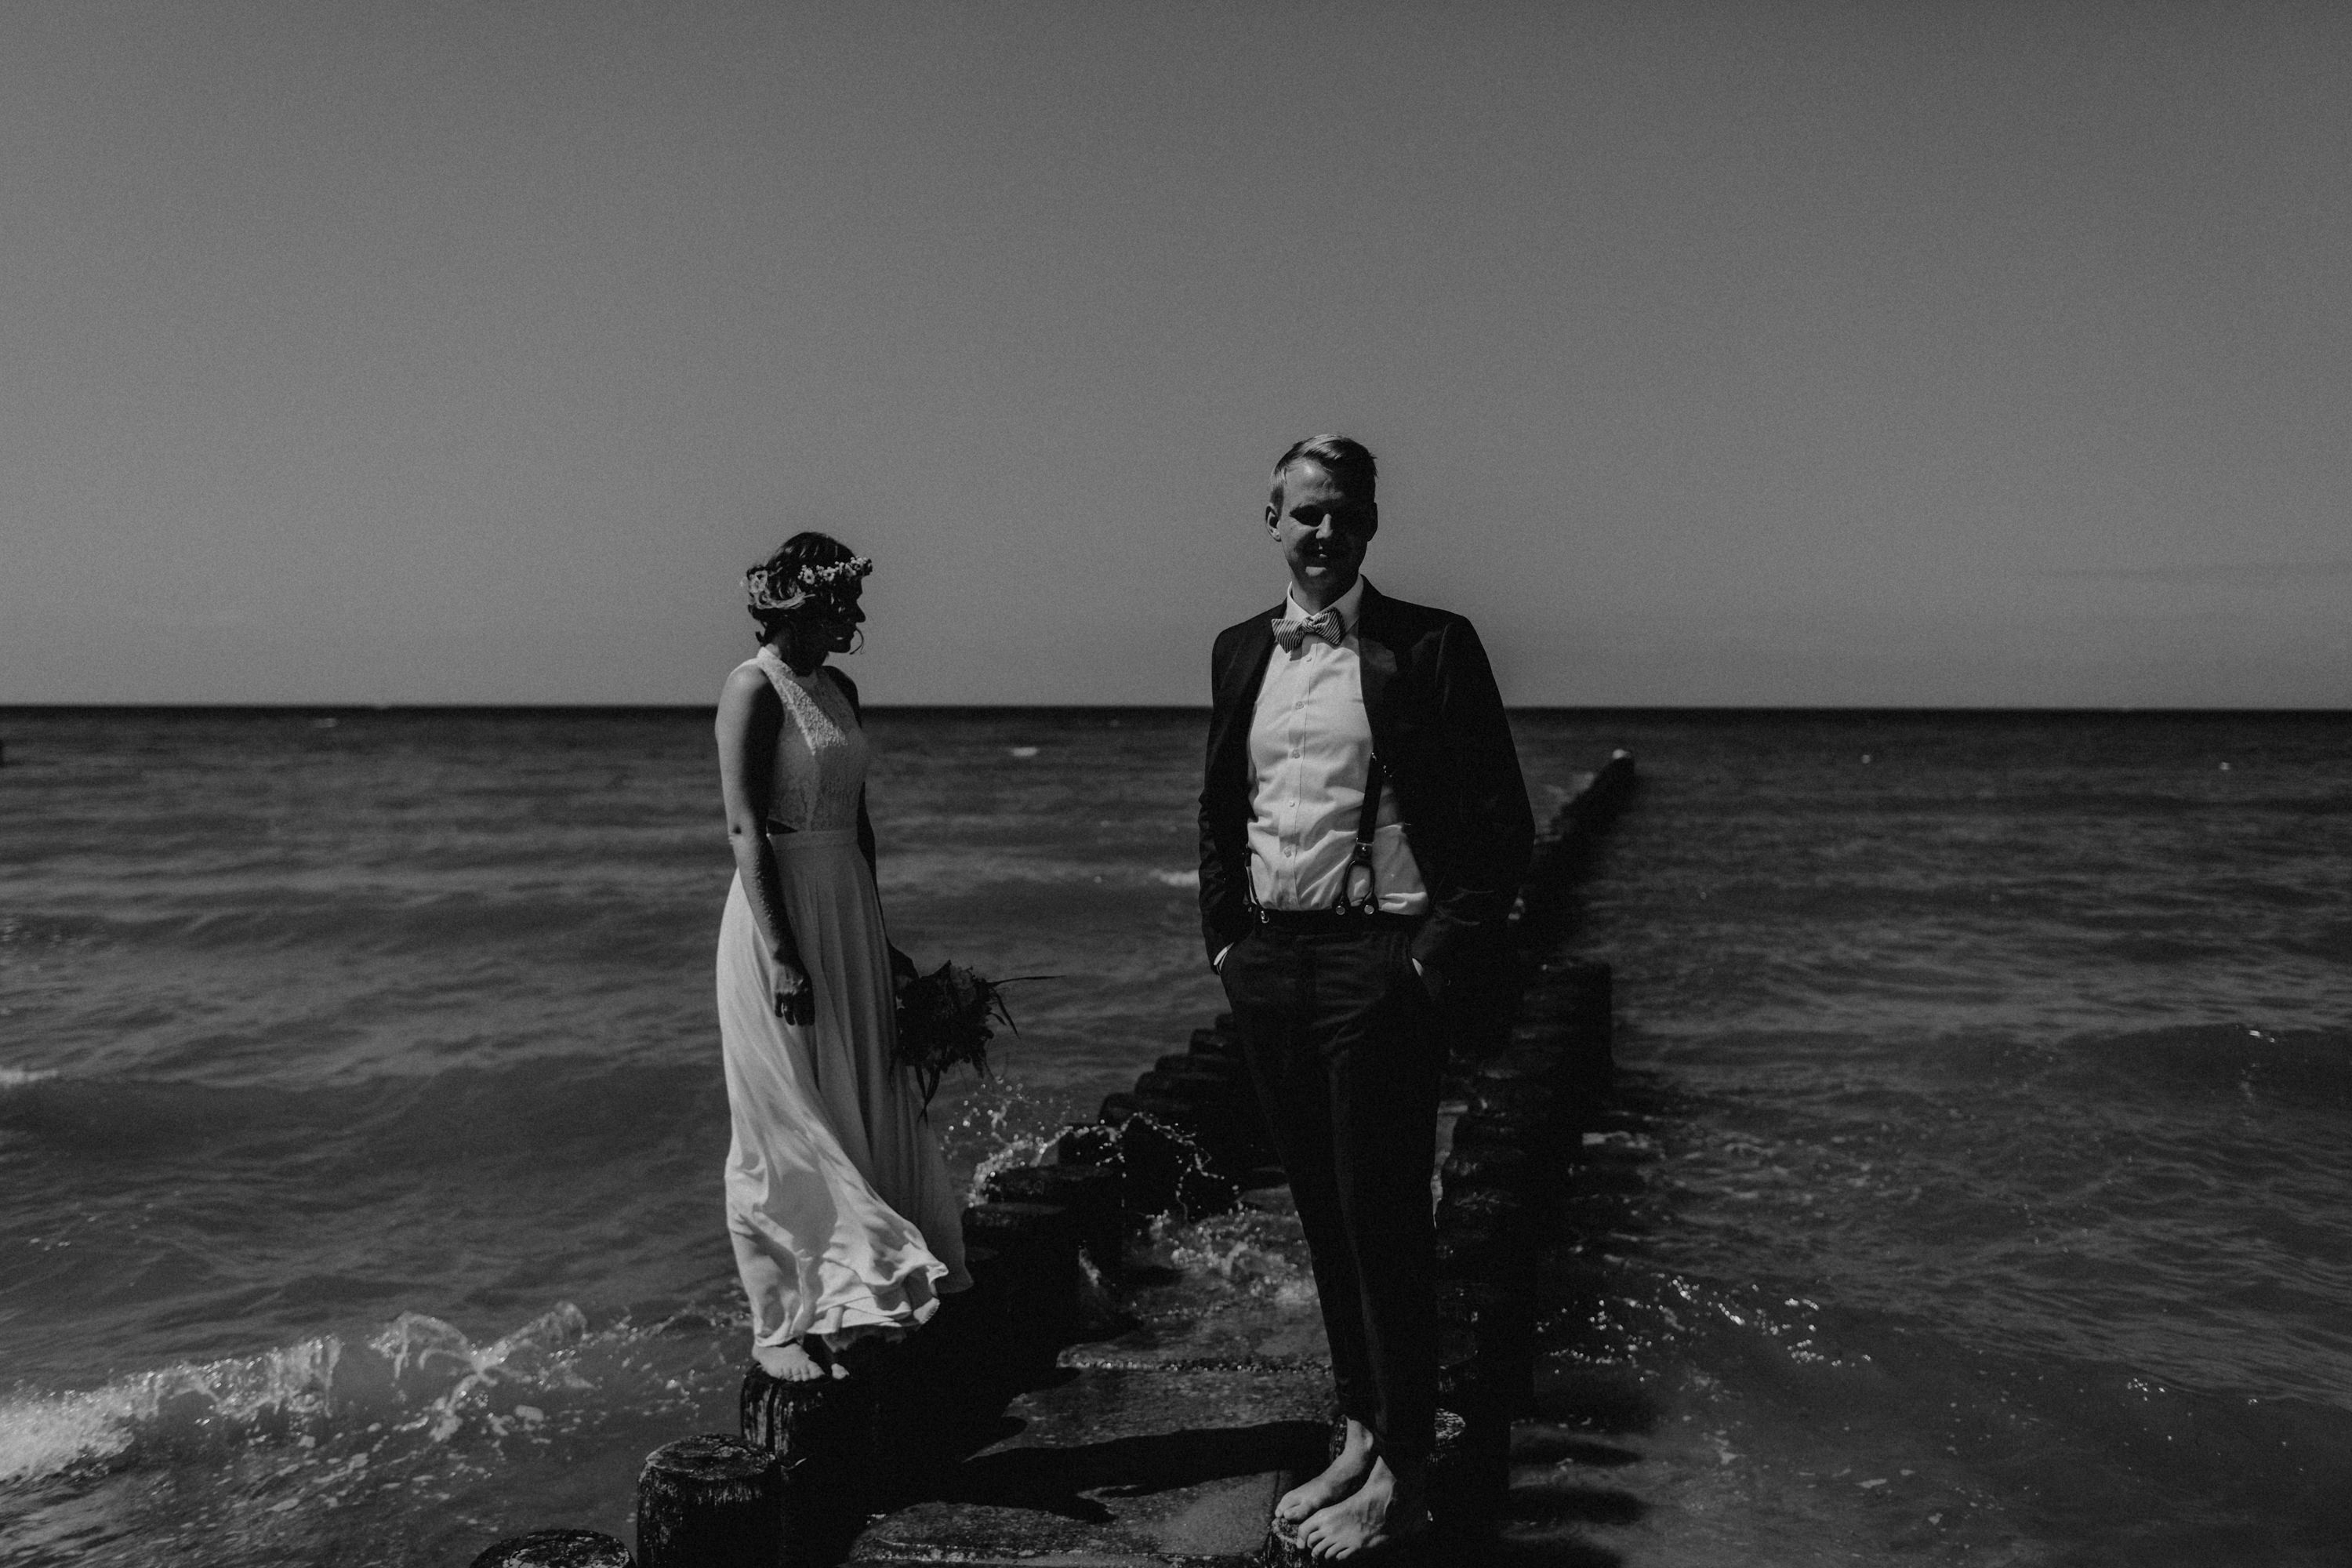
(1342, 1476)
(1389, 1507)
(791, 1363)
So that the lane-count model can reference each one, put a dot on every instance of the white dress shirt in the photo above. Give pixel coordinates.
(1310, 744)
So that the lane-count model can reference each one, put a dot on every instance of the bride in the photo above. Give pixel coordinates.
(837, 1202)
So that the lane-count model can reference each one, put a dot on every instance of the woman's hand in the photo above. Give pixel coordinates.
(795, 995)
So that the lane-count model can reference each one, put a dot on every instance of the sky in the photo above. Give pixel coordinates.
(1961, 354)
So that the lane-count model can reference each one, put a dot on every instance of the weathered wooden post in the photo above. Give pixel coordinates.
(1037, 1256)
(822, 1433)
(1180, 1069)
(1162, 1163)
(1462, 1498)
(560, 1547)
(1215, 1060)
(1518, 1101)
(1488, 1165)
(1186, 1107)
(1566, 1016)
(710, 1503)
(1485, 1373)
(1501, 1322)
(1091, 1195)
(1497, 1209)
(1218, 1040)
(1094, 1143)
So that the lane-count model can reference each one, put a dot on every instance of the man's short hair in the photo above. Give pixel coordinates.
(1344, 457)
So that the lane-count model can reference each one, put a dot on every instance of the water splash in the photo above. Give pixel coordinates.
(1245, 1250)
(1002, 1127)
(531, 1355)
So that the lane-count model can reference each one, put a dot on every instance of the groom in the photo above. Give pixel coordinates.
(1363, 828)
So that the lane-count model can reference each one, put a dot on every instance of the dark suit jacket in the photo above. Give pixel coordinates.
(1438, 725)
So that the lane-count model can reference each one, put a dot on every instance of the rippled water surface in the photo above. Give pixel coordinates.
(1976, 1192)
(1983, 1155)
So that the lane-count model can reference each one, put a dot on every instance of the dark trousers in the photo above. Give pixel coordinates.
(1344, 1045)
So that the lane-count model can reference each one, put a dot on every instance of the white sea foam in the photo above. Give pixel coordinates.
(41, 1433)
(16, 1078)
(45, 1433)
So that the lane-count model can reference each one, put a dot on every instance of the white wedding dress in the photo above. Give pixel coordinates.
(837, 1201)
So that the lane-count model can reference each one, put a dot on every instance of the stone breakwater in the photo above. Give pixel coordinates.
(1080, 1405)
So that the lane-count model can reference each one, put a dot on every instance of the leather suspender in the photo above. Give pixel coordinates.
(1367, 822)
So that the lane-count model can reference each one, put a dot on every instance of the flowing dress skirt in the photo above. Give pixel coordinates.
(837, 1200)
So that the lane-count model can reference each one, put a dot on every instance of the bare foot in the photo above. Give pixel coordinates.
(791, 1363)
(1387, 1509)
(1341, 1476)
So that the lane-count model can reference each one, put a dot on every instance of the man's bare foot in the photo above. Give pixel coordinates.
(791, 1363)
(1387, 1509)
(1341, 1476)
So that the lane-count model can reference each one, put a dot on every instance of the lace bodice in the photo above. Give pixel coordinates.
(820, 769)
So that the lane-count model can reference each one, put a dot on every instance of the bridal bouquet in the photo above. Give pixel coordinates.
(946, 1019)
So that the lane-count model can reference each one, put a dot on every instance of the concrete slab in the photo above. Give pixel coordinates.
(1229, 1342)
(1120, 1466)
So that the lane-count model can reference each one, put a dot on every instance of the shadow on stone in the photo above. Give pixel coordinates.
(1567, 1448)
(1051, 1481)
(1597, 1399)
(1536, 1552)
(1574, 1505)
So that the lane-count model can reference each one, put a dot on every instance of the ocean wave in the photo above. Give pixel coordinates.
(418, 1375)
(42, 1434)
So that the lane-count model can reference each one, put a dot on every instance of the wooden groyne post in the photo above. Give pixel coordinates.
(710, 1503)
(1525, 1101)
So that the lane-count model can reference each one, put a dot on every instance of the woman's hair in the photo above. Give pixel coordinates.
(775, 577)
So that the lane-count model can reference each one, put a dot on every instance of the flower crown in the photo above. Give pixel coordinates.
(779, 588)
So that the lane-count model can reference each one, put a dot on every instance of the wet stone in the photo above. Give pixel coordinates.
(556, 1548)
(1120, 1466)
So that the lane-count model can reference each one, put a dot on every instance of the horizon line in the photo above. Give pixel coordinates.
(1685, 709)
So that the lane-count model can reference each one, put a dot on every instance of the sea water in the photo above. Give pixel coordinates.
(1974, 1189)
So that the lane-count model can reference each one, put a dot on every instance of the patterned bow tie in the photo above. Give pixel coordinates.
(1324, 623)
